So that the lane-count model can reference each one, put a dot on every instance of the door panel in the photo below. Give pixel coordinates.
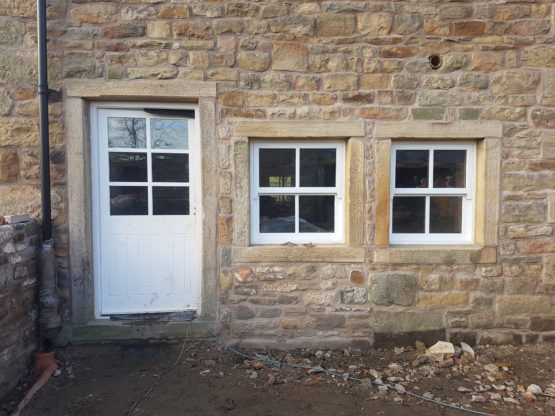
(146, 171)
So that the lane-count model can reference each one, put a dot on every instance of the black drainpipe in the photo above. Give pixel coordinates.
(49, 322)
(43, 119)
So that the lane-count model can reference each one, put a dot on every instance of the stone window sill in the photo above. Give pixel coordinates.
(435, 254)
(316, 254)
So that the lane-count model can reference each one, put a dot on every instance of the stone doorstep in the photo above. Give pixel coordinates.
(106, 330)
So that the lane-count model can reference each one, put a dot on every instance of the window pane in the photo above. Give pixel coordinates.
(170, 200)
(316, 214)
(170, 167)
(411, 169)
(277, 167)
(408, 214)
(128, 200)
(445, 214)
(169, 134)
(449, 168)
(277, 214)
(317, 167)
(127, 132)
(127, 167)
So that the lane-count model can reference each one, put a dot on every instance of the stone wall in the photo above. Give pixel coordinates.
(18, 301)
(325, 61)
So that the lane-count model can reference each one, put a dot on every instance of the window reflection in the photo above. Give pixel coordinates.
(411, 169)
(449, 168)
(127, 132)
(277, 167)
(445, 214)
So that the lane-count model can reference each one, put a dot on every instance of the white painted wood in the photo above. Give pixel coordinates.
(144, 263)
(467, 221)
(337, 192)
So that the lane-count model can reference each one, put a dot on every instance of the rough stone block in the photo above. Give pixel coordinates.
(431, 113)
(324, 322)
(515, 82)
(335, 24)
(354, 295)
(374, 24)
(94, 13)
(434, 300)
(523, 304)
(542, 323)
(289, 56)
(535, 212)
(390, 288)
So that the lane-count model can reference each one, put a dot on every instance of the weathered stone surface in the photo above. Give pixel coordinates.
(11, 32)
(339, 82)
(539, 56)
(294, 25)
(515, 82)
(226, 281)
(152, 73)
(544, 117)
(9, 168)
(375, 24)
(289, 56)
(397, 289)
(18, 66)
(472, 81)
(137, 12)
(253, 61)
(453, 62)
(522, 304)
(435, 82)
(192, 30)
(446, 98)
(434, 300)
(535, 212)
(324, 322)
(431, 113)
(528, 182)
(5, 102)
(542, 323)
(354, 295)
(125, 30)
(173, 11)
(244, 312)
(468, 28)
(18, 132)
(407, 321)
(524, 231)
(94, 13)
(335, 24)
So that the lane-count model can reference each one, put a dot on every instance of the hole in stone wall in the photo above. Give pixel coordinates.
(435, 61)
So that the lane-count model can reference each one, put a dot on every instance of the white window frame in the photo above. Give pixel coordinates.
(468, 195)
(338, 191)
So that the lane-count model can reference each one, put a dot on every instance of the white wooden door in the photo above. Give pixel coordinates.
(145, 195)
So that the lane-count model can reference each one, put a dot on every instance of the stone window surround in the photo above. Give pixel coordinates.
(488, 165)
(349, 252)
(84, 326)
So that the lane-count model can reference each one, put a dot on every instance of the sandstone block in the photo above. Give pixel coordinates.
(470, 81)
(289, 56)
(226, 281)
(515, 82)
(374, 24)
(544, 117)
(504, 114)
(317, 298)
(137, 13)
(294, 25)
(225, 229)
(486, 62)
(327, 63)
(455, 12)
(523, 305)
(5, 102)
(208, 10)
(335, 24)
(535, 246)
(192, 30)
(173, 11)
(407, 321)
(339, 82)
(529, 182)
(290, 323)
(356, 277)
(302, 272)
(468, 28)
(242, 10)
(525, 231)
(535, 212)
(9, 168)
(152, 73)
(511, 11)
(243, 312)
(532, 27)
(324, 322)
(443, 98)
(539, 56)
(435, 82)
(431, 300)
(397, 51)
(469, 113)
(375, 81)
(125, 30)
(390, 288)
(453, 62)
(430, 113)
(542, 323)
(407, 24)
(94, 13)
(253, 61)
(18, 67)
(11, 32)
(354, 295)
(383, 113)
(272, 11)
(160, 30)
(21, 132)
(432, 27)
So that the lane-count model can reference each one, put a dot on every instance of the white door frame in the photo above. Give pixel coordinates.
(196, 181)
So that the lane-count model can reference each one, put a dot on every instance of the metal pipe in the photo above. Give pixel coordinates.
(43, 121)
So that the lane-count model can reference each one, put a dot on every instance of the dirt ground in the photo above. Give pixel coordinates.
(202, 378)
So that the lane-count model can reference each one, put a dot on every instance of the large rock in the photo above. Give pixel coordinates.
(390, 288)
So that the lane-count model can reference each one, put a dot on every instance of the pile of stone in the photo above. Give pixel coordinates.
(444, 354)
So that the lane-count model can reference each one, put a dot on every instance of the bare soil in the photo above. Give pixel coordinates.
(203, 378)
